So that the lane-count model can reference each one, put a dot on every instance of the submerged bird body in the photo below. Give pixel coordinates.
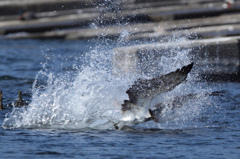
(142, 92)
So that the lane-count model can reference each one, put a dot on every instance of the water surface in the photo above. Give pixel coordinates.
(205, 127)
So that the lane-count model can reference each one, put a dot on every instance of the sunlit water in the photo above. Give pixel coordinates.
(74, 100)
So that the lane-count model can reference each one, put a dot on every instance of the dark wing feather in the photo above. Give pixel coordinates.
(169, 81)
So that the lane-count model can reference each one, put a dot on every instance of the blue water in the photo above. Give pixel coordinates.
(209, 126)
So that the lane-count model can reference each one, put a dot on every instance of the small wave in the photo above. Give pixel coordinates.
(7, 77)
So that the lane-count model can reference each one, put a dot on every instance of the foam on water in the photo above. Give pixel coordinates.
(92, 98)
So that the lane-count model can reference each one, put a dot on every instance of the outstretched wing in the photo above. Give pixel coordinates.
(142, 89)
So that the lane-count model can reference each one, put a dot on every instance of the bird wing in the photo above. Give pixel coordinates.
(149, 88)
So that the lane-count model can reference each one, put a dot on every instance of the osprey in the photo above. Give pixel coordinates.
(142, 92)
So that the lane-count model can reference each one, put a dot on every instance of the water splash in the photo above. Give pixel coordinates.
(90, 96)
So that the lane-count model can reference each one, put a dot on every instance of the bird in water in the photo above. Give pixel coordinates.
(143, 91)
